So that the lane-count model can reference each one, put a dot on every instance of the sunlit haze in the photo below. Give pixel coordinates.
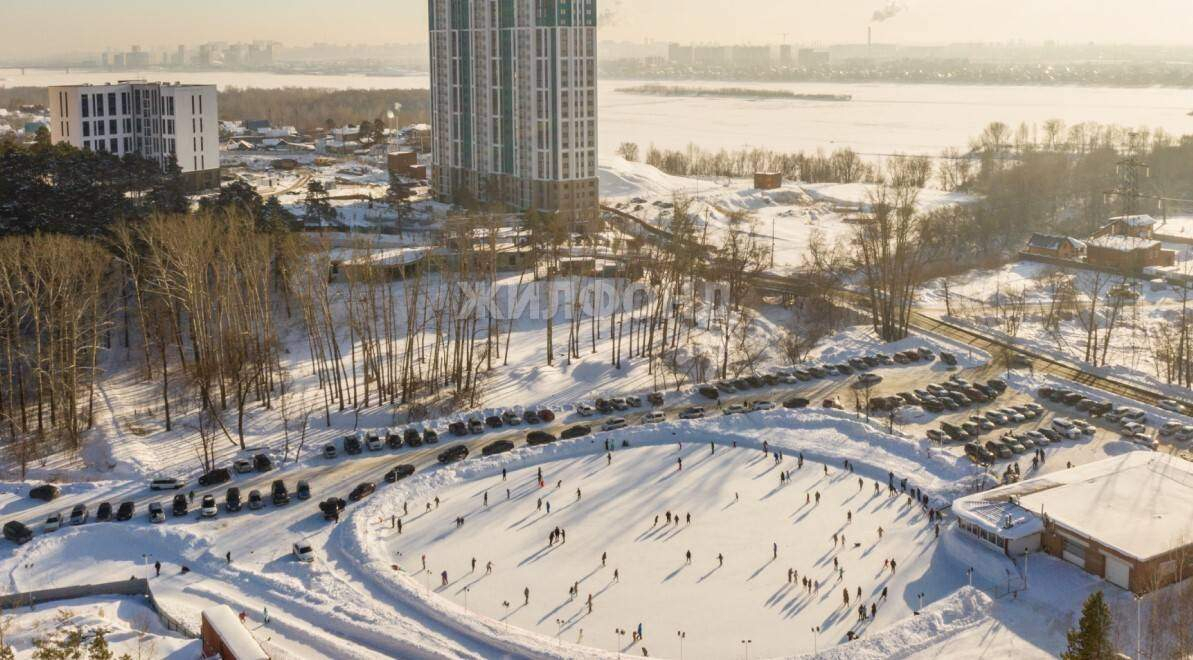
(81, 26)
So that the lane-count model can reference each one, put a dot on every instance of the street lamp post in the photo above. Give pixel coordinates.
(559, 632)
(746, 643)
(920, 597)
(1138, 625)
(681, 635)
(969, 574)
(816, 640)
(145, 562)
(466, 590)
(620, 634)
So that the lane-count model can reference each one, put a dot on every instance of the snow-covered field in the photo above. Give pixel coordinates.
(786, 218)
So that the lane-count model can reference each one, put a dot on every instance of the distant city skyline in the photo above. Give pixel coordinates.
(86, 27)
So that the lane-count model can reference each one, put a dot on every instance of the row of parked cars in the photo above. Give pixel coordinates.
(1129, 421)
(951, 395)
(856, 365)
(477, 425)
(1012, 443)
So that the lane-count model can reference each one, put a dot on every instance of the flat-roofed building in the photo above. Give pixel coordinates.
(1125, 519)
(159, 121)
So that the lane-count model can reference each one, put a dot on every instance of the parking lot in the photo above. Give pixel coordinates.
(325, 474)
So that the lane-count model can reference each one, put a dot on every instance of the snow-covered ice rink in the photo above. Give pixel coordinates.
(738, 508)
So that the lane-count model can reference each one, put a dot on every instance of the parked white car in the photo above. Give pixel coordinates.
(303, 551)
(654, 417)
(53, 522)
(763, 405)
(614, 424)
(1170, 405)
(585, 410)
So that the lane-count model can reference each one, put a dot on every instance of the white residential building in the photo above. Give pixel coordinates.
(160, 121)
(514, 104)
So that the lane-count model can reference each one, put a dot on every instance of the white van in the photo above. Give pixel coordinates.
(166, 483)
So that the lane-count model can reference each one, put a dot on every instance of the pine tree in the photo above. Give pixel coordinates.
(1091, 639)
(98, 648)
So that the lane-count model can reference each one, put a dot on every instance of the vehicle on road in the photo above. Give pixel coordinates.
(242, 466)
(362, 491)
(208, 508)
(45, 492)
(762, 405)
(577, 431)
(654, 417)
(215, 477)
(731, 409)
(494, 421)
(796, 402)
(331, 507)
(709, 392)
(476, 426)
(614, 424)
(262, 463)
(17, 532)
(157, 514)
(255, 500)
(692, 412)
(453, 454)
(399, 473)
(166, 483)
(303, 490)
(104, 512)
(511, 418)
(329, 451)
(373, 441)
(354, 444)
(458, 429)
(430, 437)
(869, 379)
(1170, 405)
(535, 438)
(497, 447)
(585, 410)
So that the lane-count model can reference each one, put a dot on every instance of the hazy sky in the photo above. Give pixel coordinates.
(35, 28)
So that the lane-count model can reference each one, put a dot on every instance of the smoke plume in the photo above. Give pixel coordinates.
(891, 10)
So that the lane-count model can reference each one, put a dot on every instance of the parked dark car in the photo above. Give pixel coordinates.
(655, 398)
(352, 445)
(453, 454)
(232, 499)
(1045, 392)
(329, 451)
(576, 431)
(430, 437)
(494, 421)
(362, 491)
(279, 493)
(103, 513)
(948, 358)
(603, 406)
(262, 463)
(393, 439)
(709, 392)
(399, 473)
(179, 507)
(531, 417)
(216, 477)
(796, 402)
(45, 492)
(535, 438)
(498, 447)
(126, 510)
(756, 381)
(17, 532)
(331, 507)
(412, 437)
(476, 426)
(458, 428)
(546, 415)
(303, 490)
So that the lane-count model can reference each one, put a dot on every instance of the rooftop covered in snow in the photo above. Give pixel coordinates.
(1137, 503)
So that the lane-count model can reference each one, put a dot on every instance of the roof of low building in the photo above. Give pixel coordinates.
(1135, 220)
(1052, 242)
(1136, 504)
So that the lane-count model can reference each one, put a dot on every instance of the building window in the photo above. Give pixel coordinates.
(113, 126)
(112, 102)
(114, 145)
(99, 105)
(86, 143)
(86, 106)
(86, 129)
(99, 127)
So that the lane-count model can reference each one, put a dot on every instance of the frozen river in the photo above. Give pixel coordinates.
(882, 118)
